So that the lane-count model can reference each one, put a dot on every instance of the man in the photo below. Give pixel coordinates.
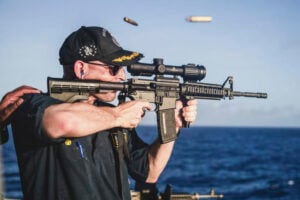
(72, 150)
(9, 103)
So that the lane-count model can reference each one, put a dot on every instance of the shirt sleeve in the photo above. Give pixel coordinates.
(138, 164)
(27, 120)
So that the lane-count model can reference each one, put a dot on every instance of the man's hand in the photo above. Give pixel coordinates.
(188, 113)
(12, 100)
(129, 114)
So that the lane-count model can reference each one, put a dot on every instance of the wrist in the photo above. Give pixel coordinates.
(115, 112)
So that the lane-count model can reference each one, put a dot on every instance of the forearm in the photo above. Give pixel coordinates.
(77, 119)
(159, 155)
(81, 119)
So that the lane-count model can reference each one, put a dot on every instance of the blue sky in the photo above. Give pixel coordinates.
(255, 41)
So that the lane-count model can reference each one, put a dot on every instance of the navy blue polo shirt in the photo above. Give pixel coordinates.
(70, 168)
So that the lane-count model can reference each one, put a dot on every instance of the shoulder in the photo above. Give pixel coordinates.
(39, 99)
(34, 102)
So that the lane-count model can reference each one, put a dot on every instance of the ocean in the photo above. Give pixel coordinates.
(238, 162)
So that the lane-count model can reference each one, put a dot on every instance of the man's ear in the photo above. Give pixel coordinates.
(80, 69)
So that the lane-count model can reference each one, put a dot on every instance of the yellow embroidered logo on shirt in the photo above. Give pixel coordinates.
(129, 57)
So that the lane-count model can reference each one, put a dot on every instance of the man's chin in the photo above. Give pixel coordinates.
(107, 96)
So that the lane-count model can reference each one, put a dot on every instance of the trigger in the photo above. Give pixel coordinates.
(144, 112)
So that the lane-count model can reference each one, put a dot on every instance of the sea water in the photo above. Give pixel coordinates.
(238, 162)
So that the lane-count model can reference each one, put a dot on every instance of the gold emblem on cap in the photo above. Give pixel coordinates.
(129, 57)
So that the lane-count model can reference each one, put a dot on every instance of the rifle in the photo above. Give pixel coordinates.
(163, 90)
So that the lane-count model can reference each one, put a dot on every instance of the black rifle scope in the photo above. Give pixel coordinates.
(189, 72)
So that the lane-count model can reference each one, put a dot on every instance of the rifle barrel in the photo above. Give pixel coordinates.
(250, 94)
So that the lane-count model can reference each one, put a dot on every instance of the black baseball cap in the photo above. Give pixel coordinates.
(95, 43)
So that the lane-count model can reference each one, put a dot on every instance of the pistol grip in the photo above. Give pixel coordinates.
(166, 125)
(185, 124)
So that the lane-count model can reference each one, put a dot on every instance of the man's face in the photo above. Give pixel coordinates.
(99, 71)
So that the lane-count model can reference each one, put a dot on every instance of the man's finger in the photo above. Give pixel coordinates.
(13, 96)
(192, 102)
(20, 91)
(11, 108)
